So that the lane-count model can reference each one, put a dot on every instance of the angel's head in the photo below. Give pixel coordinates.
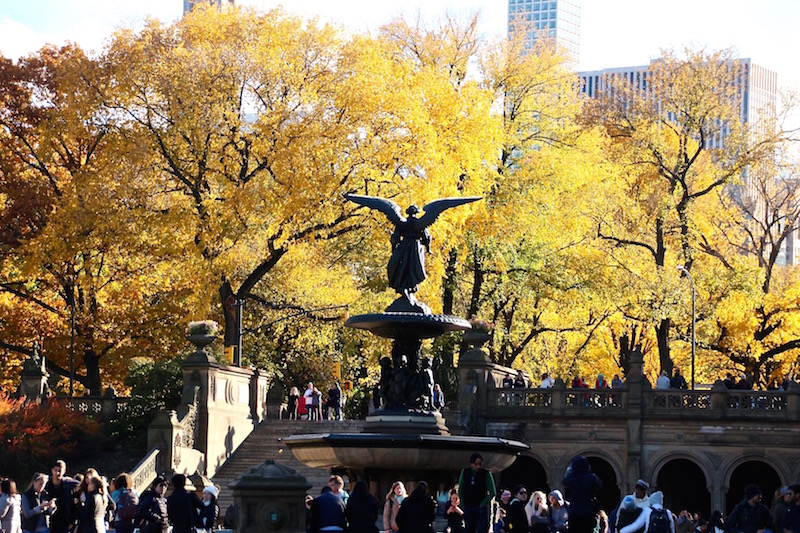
(412, 210)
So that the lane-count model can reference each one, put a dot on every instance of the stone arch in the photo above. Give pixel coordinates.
(751, 469)
(685, 481)
(528, 470)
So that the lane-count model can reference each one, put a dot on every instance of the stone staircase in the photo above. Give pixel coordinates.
(263, 444)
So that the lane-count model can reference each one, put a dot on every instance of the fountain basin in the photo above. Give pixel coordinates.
(382, 451)
(407, 325)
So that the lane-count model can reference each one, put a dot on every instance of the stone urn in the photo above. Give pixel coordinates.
(476, 338)
(200, 341)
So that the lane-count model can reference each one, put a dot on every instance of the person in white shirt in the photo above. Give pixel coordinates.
(547, 381)
(662, 383)
(308, 399)
(654, 519)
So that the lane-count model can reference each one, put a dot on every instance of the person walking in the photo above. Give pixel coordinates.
(654, 519)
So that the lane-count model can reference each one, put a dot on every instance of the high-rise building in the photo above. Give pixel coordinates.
(757, 98)
(189, 4)
(554, 19)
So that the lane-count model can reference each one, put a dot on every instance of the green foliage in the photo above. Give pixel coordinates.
(357, 405)
(155, 386)
(34, 435)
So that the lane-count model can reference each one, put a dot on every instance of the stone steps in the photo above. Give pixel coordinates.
(264, 444)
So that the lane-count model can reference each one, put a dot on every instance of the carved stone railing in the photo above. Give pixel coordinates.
(175, 435)
(105, 408)
(146, 471)
(716, 403)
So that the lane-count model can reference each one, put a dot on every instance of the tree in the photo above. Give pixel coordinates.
(77, 256)
(677, 130)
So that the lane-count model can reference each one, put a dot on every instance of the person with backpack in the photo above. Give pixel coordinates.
(654, 519)
(126, 500)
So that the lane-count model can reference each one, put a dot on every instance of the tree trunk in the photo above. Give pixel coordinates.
(662, 336)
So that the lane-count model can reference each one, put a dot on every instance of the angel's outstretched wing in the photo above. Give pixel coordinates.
(387, 207)
(436, 207)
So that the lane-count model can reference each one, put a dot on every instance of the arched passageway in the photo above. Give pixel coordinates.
(609, 496)
(752, 472)
(685, 487)
(525, 470)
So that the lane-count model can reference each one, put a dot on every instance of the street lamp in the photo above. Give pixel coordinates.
(685, 272)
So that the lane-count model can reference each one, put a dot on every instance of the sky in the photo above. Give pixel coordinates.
(614, 33)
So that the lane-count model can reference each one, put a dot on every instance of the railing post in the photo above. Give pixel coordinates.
(719, 398)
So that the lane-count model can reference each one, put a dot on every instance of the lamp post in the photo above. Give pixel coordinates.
(685, 272)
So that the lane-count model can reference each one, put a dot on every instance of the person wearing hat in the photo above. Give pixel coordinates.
(749, 515)
(640, 494)
(582, 486)
(151, 516)
(209, 511)
(654, 519)
(559, 512)
(782, 501)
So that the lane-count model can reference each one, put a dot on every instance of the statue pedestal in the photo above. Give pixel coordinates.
(406, 423)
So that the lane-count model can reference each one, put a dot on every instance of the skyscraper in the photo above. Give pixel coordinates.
(556, 19)
(189, 4)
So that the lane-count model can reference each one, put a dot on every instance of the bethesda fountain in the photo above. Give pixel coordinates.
(407, 438)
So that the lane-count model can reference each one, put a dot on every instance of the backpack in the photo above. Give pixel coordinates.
(659, 521)
(127, 506)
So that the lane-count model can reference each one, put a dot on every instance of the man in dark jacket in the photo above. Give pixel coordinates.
(328, 512)
(182, 506)
(749, 515)
(417, 512)
(581, 486)
(61, 488)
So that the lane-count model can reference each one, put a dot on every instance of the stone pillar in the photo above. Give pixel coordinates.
(224, 413)
(33, 379)
(270, 498)
(635, 385)
(258, 396)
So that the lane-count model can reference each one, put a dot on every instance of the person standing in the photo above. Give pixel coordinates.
(327, 512)
(394, 498)
(517, 519)
(749, 515)
(582, 486)
(791, 517)
(182, 506)
(476, 490)
(640, 494)
(92, 510)
(10, 507)
(418, 511)
(454, 514)
(152, 516)
(361, 510)
(61, 488)
(291, 404)
(308, 400)
(335, 401)
(209, 510)
(126, 501)
(654, 519)
(37, 506)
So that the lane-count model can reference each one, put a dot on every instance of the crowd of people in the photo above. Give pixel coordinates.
(89, 503)
(475, 506)
(311, 405)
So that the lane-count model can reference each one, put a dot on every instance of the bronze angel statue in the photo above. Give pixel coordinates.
(410, 240)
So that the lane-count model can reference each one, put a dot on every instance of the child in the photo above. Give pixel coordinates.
(500, 523)
(455, 516)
